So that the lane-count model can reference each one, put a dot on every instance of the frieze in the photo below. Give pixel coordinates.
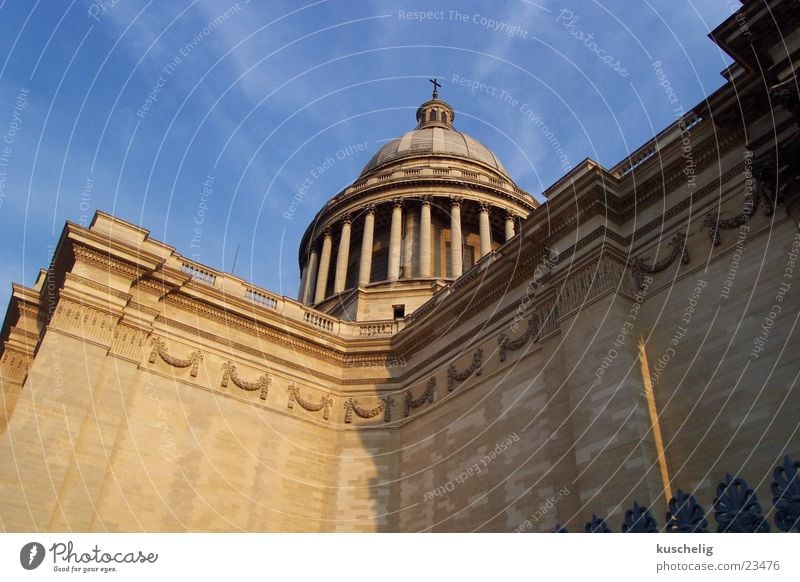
(28, 309)
(427, 397)
(261, 384)
(249, 349)
(330, 354)
(79, 318)
(324, 404)
(506, 344)
(160, 350)
(14, 364)
(128, 342)
(642, 267)
(384, 407)
(453, 375)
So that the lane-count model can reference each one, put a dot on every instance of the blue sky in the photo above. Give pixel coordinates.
(131, 106)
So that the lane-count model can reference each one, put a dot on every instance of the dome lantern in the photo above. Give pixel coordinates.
(435, 113)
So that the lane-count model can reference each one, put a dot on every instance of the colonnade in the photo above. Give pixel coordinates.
(315, 275)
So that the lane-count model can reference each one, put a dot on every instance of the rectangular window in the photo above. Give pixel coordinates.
(468, 259)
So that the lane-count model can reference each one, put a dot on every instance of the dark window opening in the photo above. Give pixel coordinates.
(399, 311)
(380, 266)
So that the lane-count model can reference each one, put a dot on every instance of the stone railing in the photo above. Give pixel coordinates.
(265, 299)
(199, 274)
(318, 320)
(651, 148)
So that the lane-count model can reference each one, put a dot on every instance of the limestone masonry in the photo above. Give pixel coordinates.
(459, 357)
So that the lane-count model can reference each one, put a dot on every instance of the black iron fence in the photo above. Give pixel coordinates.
(736, 509)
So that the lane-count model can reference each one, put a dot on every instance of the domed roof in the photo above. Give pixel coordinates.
(434, 141)
(434, 136)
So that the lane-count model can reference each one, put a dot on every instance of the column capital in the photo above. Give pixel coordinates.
(397, 202)
(346, 219)
(510, 215)
(327, 232)
(484, 206)
(369, 208)
(456, 200)
(426, 200)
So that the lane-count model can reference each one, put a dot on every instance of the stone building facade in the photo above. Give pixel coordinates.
(458, 357)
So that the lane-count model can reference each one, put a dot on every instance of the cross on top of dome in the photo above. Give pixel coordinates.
(436, 85)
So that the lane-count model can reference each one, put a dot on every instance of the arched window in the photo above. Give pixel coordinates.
(432, 115)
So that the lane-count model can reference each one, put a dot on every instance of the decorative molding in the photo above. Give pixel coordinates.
(105, 261)
(384, 407)
(379, 360)
(506, 344)
(95, 285)
(641, 266)
(454, 376)
(689, 201)
(151, 286)
(84, 320)
(713, 223)
(262, 383)
(31, 310)
(128, 342)
(14, 365)
(143, 308)
(160, 349)
(324, 405)
(428, 396)
(229, 318)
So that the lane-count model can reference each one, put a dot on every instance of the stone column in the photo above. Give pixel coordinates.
(324, 265)
(301, 292)
(313, 265)
(395, 234)
(485, 230)
(408, 245)
(509, 226)
(425, 238)
(365, 264)
(342, 257)
(457, 253)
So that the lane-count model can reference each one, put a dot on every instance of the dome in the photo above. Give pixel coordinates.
(428, 207)
(430, 142)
